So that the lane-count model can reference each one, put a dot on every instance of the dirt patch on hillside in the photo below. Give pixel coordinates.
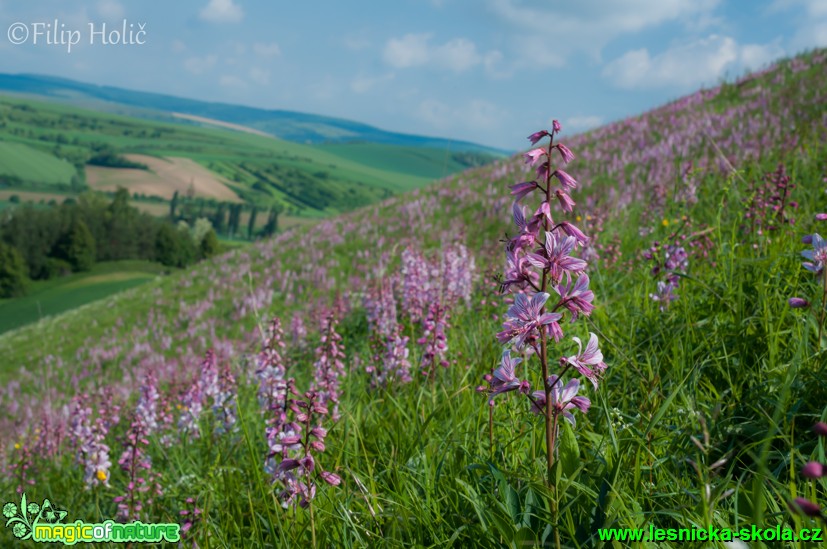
(164, 177)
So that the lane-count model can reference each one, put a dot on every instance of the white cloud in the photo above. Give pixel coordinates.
(757, 56)
(363, 83)
(110, 9)
(260, 76)
(548, 36)
(356, 42)
(581, 123)
(812, 22)
(475, 115)
(457, 54)
(199, 65)
(221, 11)
(685, 66)
(409, 51)
(232, 81)
(267, 50)
(178, 46)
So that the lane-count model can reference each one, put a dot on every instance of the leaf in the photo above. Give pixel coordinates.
(569, 450)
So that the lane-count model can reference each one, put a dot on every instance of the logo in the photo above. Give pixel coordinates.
(44, 523)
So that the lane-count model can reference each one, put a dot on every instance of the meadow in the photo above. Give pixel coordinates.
(330, 387)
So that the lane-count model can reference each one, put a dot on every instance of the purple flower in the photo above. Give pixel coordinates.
(520, 190)
(555, 126)
(814, 469)
(565, 152)
(591, 356)
(536, 136)
(563, 399)
(571, 230)
(817, 256)
(798, 302)
(555, 259)
(820, 429)
(564, 178)
(565, 200)
(504, 380)
(331, 478)
(532, 156)
(525, 319)
(821, 216)
(577, 299)
(806, 506)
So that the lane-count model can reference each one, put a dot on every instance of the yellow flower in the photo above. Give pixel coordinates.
(101, 474)
(578, 218)
(665, 222)
(16, 445)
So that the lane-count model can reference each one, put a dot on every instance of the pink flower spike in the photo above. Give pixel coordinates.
(814, 469)
(521, 190)
(565, 200)
(565, 152)
(567, 180)
(532, 156)
(536, 136)
(556, 127)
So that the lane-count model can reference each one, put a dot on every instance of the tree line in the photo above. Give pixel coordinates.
(39, 244)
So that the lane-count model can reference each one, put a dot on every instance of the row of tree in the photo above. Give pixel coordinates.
(37, 243)
(224, 216)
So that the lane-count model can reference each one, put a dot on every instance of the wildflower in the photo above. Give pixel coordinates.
(563, 399)
(554, 257)
(591, 356)
(821, 216)
(525, 319)
(572, 230)
(817, 256)
(576, 299)
(565, 200)
(806, 507)
(556, 127)
(532, 156)
(565, 152)
(521, 190)
(820, 429)
(814, 469)
(564, 178)
(798, 302)
(536, 136)
(434, 339)
(504, 380)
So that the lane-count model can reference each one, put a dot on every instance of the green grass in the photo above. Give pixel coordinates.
(28, 164)
(56, 296)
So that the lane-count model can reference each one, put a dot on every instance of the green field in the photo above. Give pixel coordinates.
(27, 164)
(53, 297)
(304, 179)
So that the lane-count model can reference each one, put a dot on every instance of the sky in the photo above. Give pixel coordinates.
(487, 71)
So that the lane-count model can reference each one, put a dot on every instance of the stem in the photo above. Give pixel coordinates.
(823, 306)
(312, 524)
(544, 342)
(491, 430)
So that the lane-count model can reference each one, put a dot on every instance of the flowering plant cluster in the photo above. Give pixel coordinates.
(549, 282)
(814, 471)
(669, 261)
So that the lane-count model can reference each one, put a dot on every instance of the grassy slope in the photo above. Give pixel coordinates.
(58, 129)
(52, 297)
(728, 371)
(26, 163)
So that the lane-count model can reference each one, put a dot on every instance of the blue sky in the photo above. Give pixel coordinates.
(489, 71)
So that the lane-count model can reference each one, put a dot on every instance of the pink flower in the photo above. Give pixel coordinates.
(817, 256)
(525, 319)
(820, 429)
(591, 356)
(556, 127)
(521, 190)
(806, 506)
(567, 180)
(536, 136)
(571, 230)
(577, 299)
(821, 216)
(798, 302)
(563, 399)
(532, 156)
(555, 259)
(814, 469)
(331, 478)
(565, 200)
(504, 380)
(565, 152)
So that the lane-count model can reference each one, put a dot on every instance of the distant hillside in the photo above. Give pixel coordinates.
(288, 125)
